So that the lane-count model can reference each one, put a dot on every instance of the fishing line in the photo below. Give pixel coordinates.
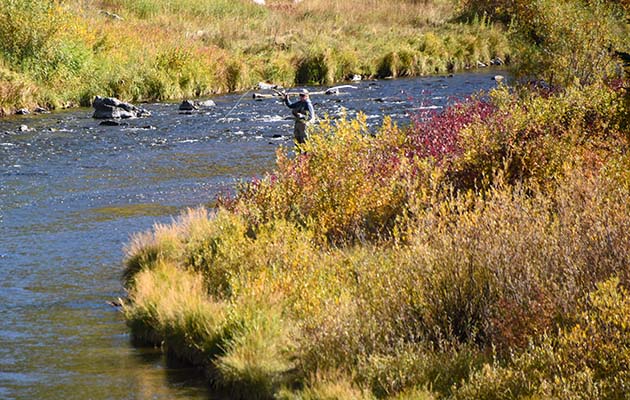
(235, 105)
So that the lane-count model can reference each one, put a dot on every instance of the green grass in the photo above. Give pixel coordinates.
(163, 50)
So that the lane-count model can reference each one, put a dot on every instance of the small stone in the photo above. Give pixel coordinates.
(206, 104)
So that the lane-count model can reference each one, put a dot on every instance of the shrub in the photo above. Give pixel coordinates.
(569, 42)
(314, 69)
(588, 360)
(528, 138)
(437, 135)
(393, 319)
(310, 190)
(561, 42)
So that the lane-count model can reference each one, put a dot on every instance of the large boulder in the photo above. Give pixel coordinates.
(112, 108)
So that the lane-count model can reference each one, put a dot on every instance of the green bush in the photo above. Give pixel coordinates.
(569, 42)
(314, 69)
(562, 42)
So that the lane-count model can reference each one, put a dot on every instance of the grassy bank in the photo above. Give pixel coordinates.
(478, 253)
(58, 54)
(496, 268)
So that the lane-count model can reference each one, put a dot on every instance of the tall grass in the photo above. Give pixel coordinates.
(161, 49)
(399, 278)
(479, 253)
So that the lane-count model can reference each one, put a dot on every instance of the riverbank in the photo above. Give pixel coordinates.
(466, 256)
(477, 253)
(72, 191)
(57, 55)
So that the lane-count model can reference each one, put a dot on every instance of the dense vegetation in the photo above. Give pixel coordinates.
(479, 253)
(393, 280)
(61, 53)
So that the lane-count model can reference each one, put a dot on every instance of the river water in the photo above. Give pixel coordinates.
(73, 191)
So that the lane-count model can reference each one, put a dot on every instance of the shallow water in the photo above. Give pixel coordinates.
(71, 194)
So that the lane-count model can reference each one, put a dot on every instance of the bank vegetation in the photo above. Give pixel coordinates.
(477, 253)
(63, 53)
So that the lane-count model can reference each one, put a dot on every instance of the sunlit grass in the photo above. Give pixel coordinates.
(158, 50)
(399, 278)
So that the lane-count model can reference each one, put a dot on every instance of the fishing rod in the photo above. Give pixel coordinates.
(261, 86)
(235, 105)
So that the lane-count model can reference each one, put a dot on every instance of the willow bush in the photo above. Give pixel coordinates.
(571, 364)
(27, 28)
(561, 42)
(479, 280)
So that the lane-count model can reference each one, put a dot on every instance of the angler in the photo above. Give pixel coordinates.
(304, 114)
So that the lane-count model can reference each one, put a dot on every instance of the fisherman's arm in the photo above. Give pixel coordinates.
(286, 100)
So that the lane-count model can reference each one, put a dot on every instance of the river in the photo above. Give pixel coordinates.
(73, 191)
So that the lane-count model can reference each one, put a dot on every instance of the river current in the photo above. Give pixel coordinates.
(72, 192)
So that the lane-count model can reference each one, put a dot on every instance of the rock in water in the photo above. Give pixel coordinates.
(187, 105)
(206, 104)
(112, 108)
(190, 105)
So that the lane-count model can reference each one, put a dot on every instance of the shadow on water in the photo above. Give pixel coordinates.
(72, 192)
(192, 381)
